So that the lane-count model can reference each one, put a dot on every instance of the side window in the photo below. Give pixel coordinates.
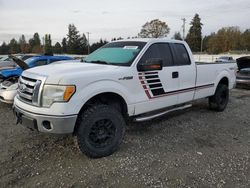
(181, 55)
(41, 62)
(161, 51)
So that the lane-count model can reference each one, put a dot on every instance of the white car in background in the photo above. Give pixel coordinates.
(225, 59)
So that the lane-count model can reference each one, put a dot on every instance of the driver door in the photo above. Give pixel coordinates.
(159, 86)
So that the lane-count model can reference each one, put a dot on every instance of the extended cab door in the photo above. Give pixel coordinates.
(160, 85)
(186, 72)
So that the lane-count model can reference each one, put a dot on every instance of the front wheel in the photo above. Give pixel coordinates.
(219, 100)
(100, 131)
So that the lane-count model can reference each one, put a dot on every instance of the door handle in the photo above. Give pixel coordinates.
(175, 74)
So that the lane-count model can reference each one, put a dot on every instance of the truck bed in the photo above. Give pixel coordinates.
(208, 73)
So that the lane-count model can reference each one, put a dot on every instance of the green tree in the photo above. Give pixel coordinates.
(245, 40)
(57, 48)
(24, 46)
(194, 35)
(83, 45)
(97, 45)
(35, 44)
(48, 45)
(64, 45)
(14, 46)
(75, 42)
(177, 36)
(4, 48)
(154, 29)
(205, 43)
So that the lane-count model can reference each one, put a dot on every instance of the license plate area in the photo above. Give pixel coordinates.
(26, 121)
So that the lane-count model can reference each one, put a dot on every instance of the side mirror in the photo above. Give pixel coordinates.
(150, 65)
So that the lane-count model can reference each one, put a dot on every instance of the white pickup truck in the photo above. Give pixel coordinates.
(132, 79)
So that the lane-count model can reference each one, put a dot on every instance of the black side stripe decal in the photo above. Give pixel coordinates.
(183, 90)
(153, 88)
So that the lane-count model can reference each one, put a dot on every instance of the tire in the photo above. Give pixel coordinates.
(219, 100)
(100, 131)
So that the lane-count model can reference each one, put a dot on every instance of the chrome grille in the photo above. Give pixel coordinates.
(28, 90)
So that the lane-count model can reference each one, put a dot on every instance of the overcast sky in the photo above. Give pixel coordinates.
(114, 18)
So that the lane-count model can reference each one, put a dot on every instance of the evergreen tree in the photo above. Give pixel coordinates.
(35, 44)
(57, 48)
(177, 36)
(47, 46)
(24, 47)
(14, 46)
(194, 35)
(4, 48)
(83, 45)
(64, 45)
(75, 42)
(205, 43)
(97, 45)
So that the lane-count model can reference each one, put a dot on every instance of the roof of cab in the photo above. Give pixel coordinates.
(150, 40)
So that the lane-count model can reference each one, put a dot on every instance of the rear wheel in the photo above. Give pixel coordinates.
(219, 100)
(100, 131)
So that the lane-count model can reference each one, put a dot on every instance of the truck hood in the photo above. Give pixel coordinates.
(56, 72)
(19, 62)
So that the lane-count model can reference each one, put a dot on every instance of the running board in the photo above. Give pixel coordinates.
(146, 118)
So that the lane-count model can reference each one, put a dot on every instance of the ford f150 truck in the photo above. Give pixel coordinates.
(136, 79)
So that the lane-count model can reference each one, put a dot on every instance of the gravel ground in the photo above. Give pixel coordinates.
(190, 148)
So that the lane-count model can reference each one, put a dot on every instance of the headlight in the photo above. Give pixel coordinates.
(56, 93)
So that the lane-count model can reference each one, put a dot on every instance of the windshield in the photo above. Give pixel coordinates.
(116, 53)
(27, 61)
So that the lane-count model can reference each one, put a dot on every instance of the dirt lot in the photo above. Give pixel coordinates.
(191, 148)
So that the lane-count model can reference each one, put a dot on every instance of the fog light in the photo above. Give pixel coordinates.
(46, 125)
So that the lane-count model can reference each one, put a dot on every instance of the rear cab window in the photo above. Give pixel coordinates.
(181, 56)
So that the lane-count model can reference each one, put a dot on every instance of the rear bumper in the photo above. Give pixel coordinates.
(7, 96)
(243, 81)
(45, 123)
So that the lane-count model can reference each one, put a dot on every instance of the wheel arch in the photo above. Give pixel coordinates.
(108, 98)
(223, 78)
(224, 81)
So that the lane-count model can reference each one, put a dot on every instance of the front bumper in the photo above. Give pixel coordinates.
(7, 96)
(45, 123)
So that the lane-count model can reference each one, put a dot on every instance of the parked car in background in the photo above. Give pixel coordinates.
(6, 62)
(225, 59)
(243, 75)
(4, 58)
(1, 56)
(8, 87)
